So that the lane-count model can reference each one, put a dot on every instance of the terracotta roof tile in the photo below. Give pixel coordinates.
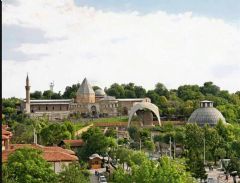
(50, 154)
(5, 132)
(5, 137)
(74, 143)
(58, 156)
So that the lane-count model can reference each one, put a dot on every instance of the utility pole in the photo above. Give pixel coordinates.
(170, 147)
(174, 148)
(204, 149)
(34, 136)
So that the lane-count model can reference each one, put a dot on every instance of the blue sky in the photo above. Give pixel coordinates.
(228, 10)
(142, 41)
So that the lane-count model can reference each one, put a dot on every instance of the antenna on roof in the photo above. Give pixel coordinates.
(51, 86)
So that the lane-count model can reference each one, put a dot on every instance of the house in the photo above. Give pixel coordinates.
(95, 161)
(56, 156)
(73, 144)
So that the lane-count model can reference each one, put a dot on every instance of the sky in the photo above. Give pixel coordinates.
(174, 42)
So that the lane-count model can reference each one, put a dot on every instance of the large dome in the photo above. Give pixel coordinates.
(206, 114)
(100, 92)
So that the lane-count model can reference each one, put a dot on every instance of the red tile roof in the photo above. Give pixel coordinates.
(74, 143)
(5, 137)
(50, 154)
(5, 132)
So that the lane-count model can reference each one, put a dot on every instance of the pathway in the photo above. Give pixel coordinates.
(93, 177)
(84, 129)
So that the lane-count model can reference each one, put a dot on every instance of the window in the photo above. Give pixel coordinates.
(46, 108)
(60, 108)
(39, 108)
(53, 107)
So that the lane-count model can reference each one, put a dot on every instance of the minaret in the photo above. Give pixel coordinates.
(27, 87)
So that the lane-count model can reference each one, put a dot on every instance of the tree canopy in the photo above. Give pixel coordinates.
(26, 165)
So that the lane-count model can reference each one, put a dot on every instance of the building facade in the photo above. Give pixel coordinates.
(88, 103)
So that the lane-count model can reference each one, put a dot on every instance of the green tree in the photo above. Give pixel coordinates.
(145, 170)
(111, 133)
(196, 166)
(73, 173)
(189, 92)
(95, 142)
(27, 165)
(116, 90)
(161, 90)
(47, 94)
(220, 153)
(54, 133)
(36, 95)
(70, 91)
(140, 92)
(209, 88)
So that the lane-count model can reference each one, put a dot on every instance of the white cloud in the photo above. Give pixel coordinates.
(110, 47)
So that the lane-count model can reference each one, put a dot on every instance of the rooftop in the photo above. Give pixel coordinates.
(73, 143)
(50, 154)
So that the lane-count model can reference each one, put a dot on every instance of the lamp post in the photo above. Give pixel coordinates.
(204, 149)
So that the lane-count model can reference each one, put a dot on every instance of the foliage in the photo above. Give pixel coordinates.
(95, 142)
(111, 132)
(73, 173)
(27, 165)
(145, 170)
(55, 132)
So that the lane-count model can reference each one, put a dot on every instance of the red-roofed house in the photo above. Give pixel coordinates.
(73, 144)
(6, 136)
(57, 156)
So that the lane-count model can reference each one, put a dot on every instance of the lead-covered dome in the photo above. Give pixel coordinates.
(100, 92)
(206, 114)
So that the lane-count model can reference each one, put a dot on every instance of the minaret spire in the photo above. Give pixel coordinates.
(27, 88)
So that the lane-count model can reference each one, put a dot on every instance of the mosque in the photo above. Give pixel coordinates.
(87, 102)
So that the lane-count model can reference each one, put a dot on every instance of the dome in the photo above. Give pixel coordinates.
(108, 98)
(85, 88)
(206, 114)
(100, 92)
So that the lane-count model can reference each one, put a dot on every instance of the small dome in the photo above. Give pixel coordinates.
(100, 92)
(108, 98)
(206, 114)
